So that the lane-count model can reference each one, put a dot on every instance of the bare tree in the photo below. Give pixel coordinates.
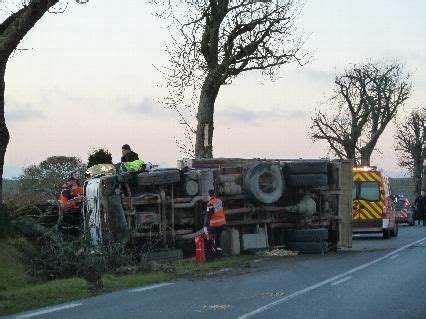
(22, 16)
(366, 98)
(216, 40)
(410, 141)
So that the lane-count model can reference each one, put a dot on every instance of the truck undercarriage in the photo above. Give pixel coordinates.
(266, 202)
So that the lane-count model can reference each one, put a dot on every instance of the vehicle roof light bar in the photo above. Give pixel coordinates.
(364, 168)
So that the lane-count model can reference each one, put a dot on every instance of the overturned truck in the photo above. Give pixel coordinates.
(304, 205)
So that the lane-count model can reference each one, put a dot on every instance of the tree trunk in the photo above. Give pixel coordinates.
(12, 31)
(418, 175)
(350, 151)
(365, 156)
(4, 132)
(204, 136)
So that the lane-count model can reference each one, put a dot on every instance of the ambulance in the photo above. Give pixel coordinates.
(373, 208)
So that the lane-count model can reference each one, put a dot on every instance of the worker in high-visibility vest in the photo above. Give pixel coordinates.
(214, 220)
(71, 193)
(71, 201)
(130, 161)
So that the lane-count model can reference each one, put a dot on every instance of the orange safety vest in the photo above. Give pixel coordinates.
(218, 217)
(76, 190)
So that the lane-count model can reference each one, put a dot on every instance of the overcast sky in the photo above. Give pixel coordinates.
(86, 79)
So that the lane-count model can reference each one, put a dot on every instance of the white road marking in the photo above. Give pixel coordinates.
(325, 282)
(42, 312)
(151, 287)
(341, 280)
(394, 256)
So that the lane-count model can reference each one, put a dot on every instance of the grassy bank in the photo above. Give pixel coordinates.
(19, 292)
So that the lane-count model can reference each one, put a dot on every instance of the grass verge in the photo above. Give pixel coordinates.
(19, 292)
(42, 294)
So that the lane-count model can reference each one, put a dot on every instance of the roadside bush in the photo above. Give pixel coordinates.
(99, 156)
(5, 225)
(57, 257)
(33, 221)
(45, 214)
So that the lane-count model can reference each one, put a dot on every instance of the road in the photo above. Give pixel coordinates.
(377, 278)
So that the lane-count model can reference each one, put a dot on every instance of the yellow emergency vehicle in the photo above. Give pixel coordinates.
(373, 203)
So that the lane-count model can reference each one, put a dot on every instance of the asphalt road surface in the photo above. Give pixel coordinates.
(377, 278)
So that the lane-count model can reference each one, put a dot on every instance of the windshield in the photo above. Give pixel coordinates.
(366, 190)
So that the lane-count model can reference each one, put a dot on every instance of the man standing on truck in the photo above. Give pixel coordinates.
(128, 154)
(130, 161)
(214, 220)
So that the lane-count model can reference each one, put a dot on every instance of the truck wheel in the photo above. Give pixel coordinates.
(307, 234)
(264, 182)
(304, 180)
(166, 176)
(306, 167)
(386, 233)
(312, 247)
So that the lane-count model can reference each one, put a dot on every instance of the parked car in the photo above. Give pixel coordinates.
(404, 211)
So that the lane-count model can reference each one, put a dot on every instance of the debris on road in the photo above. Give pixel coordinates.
(217, 307)
(279, 252)
(273, 294)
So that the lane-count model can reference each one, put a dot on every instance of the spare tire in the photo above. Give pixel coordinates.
(264, 182)
(157, 177)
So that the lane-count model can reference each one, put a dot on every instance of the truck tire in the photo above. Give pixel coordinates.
(306, 234)
(307, 180)
(264, 182)
(307, 167)
(309, 247)
(166, 176)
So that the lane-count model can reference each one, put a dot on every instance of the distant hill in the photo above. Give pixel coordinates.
(10, 186)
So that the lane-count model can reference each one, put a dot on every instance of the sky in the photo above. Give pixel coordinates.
(87, 78)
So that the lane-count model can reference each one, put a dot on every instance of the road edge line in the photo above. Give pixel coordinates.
(325, 282)
(151, 287)
(49, 310)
